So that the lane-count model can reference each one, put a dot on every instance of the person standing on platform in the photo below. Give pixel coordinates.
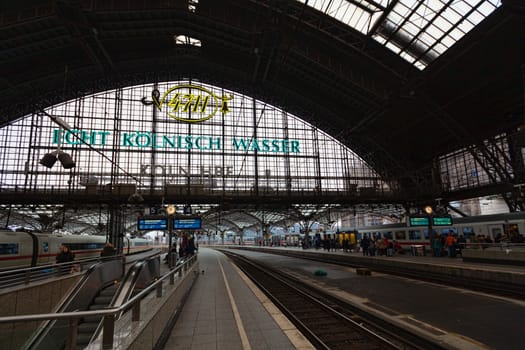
(108, 250)
(365, 244)
(190, 246)
(450, 243)
(397, 247)
(64, 256)
(461, 244)
(437, 245)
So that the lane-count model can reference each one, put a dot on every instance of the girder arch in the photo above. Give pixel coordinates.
(327, 72)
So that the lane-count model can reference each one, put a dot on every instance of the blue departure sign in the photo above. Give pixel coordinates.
(187, 223)
(146, 224)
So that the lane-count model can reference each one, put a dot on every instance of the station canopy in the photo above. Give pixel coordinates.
(428, 94)
(418, 31)
(148, 146)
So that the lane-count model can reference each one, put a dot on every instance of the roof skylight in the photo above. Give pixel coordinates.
(186, 40)
(417, 30)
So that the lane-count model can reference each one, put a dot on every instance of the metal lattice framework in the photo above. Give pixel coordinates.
(119, 138)
(351, 69)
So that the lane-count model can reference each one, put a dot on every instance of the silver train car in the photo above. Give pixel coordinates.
(25, 249)
(493, 226)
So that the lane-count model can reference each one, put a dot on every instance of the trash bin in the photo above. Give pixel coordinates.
(418, 250)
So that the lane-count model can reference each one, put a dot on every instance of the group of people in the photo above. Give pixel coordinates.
(367, 245)
(448, 245)
(65, 255)
(380, 246)
(187, 247)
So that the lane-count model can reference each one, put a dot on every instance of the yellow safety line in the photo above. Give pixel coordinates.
(238, 321)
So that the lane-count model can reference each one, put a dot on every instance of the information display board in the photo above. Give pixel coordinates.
(152, 224)
(442, 221)
(187, 223)
(419, 221)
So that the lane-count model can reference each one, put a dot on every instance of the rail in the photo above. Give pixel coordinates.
(505, 246)
(328, 322)
(10, 277)
(28, 275)
(109, 315)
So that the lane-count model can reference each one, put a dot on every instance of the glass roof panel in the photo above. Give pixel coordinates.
(441, 47)
(476, 17)
(442, 23)
(409, 27)
(466, 26)
(487, 7)
(435, 32)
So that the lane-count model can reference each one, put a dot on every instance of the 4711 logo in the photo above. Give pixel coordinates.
(189, 103)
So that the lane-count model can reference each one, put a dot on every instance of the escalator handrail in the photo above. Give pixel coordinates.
(74, 296)
(105, 312)
(125, 290)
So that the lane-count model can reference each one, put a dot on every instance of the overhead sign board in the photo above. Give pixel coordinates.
(419, 221)
(147, 224)
(187, 223)
(442, 221)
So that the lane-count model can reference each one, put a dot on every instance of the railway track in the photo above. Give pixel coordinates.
(327, 322)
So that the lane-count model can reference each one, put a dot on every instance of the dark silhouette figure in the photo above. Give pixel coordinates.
(64, 256)
(108, 250)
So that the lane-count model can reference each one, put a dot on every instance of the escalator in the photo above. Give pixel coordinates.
(101, 287)
(138, 276)
(88, 325)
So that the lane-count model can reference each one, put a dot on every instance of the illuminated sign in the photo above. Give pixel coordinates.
(419, 221)
(442, 221)
(152, 224)
(146, 139)
(187, 223)
(189, 103)
(436, 221)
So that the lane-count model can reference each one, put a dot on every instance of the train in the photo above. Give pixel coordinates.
(495, 227)
(19, 249)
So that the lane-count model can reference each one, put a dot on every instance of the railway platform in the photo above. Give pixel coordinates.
(471, 272)
(226, 311)
(458, 317)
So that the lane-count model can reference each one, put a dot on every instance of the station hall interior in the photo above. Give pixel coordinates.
(132, 124)
(259, 116)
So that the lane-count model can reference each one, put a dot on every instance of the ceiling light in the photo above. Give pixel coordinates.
(49, 159)
(66, 160)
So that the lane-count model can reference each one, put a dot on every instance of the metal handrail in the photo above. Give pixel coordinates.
(28, 275)
(10, 277)
(109, 313)
(500, 245)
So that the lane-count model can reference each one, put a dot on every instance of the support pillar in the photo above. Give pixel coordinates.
(115, 232)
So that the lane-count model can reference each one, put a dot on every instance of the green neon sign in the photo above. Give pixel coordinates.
(419, 221)
(145, 139)
(442, 221)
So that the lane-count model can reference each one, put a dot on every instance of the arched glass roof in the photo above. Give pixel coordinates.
(178, 138)
(417, 30)
(118, 137)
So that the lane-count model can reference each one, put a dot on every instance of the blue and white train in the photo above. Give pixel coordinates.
(25, 249)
